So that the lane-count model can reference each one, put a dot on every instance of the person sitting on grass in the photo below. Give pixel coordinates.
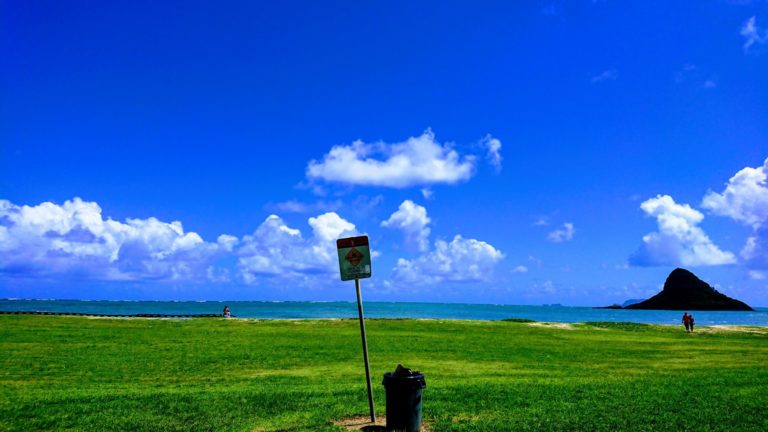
(227, 313)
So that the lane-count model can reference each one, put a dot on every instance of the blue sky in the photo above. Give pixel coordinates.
(511, 152)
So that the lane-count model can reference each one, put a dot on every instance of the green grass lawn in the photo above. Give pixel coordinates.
(73, 373)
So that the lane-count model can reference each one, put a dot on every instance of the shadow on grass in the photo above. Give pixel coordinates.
(627, 326)
(518, 320)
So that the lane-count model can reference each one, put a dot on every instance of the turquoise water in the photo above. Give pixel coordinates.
(277, 310)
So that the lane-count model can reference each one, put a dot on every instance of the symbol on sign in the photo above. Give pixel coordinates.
(354, 257)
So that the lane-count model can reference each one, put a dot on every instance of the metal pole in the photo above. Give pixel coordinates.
(365, 350)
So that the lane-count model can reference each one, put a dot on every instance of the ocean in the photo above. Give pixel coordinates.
(310, 310)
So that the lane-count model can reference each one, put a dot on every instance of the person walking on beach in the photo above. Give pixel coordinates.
(227, 313)
(690, 322)
(687, 322)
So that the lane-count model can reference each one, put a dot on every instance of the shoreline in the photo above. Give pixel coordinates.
(713, 328)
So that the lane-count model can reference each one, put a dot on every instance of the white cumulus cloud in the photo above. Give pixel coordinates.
(563, 234)
(275, 249)
(745, 198)
(74, 239)
(459, 260)
(416, 161)
(412, 219)
(493, 149)
(520, 269)
(227, 242)
(607, 75)
(753, 34)
(294, 206)
(679, 241)
(330, 226)
(755, 250)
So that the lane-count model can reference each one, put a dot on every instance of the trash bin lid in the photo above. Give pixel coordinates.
(404, 377)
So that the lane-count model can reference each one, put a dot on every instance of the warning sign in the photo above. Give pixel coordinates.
(354, 258)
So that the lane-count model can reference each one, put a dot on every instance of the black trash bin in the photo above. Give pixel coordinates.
(404, 389)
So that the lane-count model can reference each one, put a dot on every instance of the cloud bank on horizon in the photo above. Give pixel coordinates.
(50, 240)
(75, 240)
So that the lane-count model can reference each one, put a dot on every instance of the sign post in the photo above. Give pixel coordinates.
(355, 263)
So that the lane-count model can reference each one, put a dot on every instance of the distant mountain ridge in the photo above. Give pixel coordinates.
(683, 290)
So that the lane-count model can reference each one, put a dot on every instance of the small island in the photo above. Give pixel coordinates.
(683, 290)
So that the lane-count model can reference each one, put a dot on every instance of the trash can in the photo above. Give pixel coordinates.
(404, 387)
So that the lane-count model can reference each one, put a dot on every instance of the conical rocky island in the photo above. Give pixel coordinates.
(684, 291)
